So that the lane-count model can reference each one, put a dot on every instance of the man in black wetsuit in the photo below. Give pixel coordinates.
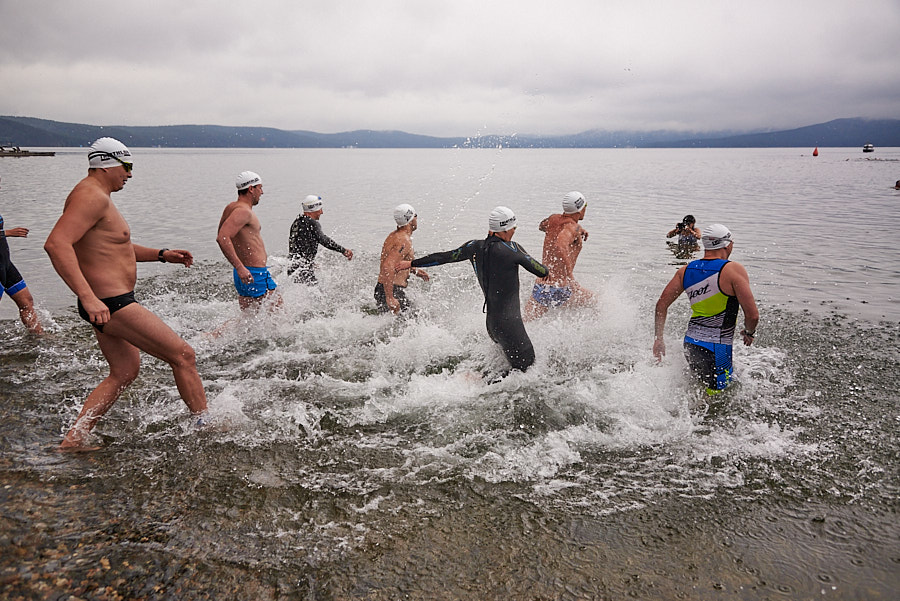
(306, 236)
(496, 261)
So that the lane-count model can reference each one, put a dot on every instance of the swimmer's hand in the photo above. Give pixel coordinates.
(96, 310)
(349, 254)
(402, 265)
(179, 256)
(393, 304)
(16, 232)
(245, 275)
(659, 349)
(421, 273)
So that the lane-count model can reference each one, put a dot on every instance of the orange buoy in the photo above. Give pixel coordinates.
(816, 152)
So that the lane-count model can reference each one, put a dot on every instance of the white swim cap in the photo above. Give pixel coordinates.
(573, 202)
(403, 214)
(502, 219)
(715, 236)
(105, 151)
(245, 179)
(312, 203)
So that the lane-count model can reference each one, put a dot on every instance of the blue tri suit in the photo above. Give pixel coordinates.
(710, 333)
(496, 264)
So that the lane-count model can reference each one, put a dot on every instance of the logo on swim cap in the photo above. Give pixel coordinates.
(312, 203)
(716, 236)
(502, 219)
(403, 214)
(245, 179)
(573, 202)
(108, 152)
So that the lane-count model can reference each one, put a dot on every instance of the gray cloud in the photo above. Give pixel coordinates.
(456, 67)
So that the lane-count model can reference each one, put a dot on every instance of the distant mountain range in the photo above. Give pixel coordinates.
(30, 132)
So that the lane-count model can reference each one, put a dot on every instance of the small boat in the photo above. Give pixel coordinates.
(15, 151)
(868, 148)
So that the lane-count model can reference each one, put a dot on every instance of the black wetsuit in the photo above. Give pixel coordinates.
(496, 264)
(306, 236)
(11, 280)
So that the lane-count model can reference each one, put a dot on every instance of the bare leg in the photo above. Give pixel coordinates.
(533, 310)
(124, 363)
(143, 329)
(27, 314)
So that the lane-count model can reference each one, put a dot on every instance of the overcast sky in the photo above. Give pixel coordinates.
(452, 67)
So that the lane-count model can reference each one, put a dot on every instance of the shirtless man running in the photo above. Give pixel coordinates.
(240, 241)
(390, 292)
(91, 249)
(562, 244)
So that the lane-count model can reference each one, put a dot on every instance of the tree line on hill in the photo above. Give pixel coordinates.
(30, 131)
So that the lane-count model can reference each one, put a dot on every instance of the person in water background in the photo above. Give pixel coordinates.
(390, 291)
(496, 260)
(716, 289)
(563, 241)
(305, 237)
(240, 241)
(91, 249)
(12, 282)
(687, 231)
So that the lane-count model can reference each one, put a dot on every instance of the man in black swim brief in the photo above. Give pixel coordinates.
(114, 303)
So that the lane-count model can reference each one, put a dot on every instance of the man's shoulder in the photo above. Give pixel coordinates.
(88, 194)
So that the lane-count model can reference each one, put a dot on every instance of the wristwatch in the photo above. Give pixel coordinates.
(159, 257)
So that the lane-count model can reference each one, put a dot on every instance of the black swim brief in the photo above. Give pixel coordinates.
(381, 298)
(113, 303)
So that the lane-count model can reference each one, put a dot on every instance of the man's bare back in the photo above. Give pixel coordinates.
(562, 245)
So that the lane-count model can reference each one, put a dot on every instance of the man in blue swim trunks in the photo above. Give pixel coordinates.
(12, 282)
(91, 249)
(563, 240)
(240, 240)
(716, 288)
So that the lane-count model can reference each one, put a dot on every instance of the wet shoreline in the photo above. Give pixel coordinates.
(67, 539)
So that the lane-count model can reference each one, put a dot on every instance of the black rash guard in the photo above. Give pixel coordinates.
(303, 244)
(496, 265)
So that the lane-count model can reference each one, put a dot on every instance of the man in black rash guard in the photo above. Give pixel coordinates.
(306, 236)
(496, 261)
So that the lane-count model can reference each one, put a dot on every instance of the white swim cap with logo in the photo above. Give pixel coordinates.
(403, 214)
(573, 202)
(312, 203)
(245, 179)
(715, 236)
(104, 152)
(502, 219)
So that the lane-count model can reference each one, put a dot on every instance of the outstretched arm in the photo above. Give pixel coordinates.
(15, 232)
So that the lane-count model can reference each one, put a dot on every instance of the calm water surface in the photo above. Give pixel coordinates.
(356, 457)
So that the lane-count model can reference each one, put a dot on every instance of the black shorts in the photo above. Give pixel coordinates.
(113, 303)
(399, 294)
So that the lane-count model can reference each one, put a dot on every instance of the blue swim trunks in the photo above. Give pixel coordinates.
(551, 296)
(262, 283)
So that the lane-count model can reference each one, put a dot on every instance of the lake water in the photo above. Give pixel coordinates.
(358, 457)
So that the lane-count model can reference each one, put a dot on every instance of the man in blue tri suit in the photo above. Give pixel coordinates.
(496, 261)
(716, 288)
